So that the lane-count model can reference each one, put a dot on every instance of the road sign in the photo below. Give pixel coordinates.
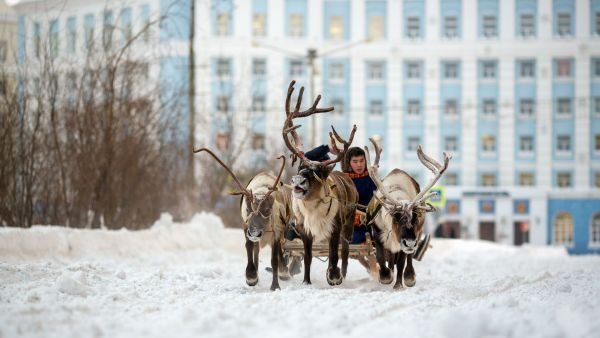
(439, 199)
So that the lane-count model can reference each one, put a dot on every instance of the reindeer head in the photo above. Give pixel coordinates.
(311, 174)
(407, 216)
(259, 207)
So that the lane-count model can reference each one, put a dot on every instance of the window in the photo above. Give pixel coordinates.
(527, 70)
(489, 108)
(107, 31)
(450, 70)
(563, 68)
(451, 179)
(526, 29)
(222, 141)
(413, 70)
(489, 70)
(54, 39)
(597, 143)
(597, 183)
(564, 107)
(338, 105)
(37, 40)
(451, 108)
(375, 70)
(488, 144)
(413, 108)
(595, 230)
(488, 180)
(450, 143)
(296, 25)
(450, 27)
(489, 26)
(564, 180)
(413, 27)
(376, 108)
(259, 67)
(376, 27)
(258, 142)
(3, 50)
(89, 32)
(413, 143)
(526, 179)
(563, 229)
(564, 24)
(223, 67)
(223, 24)
(596, 63)
(71, 35)
(296, 68)
(526, 108)
(258, 104)
(336, 28)
(336, 71)
(597, 106)
(526, 144)
(126, 24)
(597, 23)
(145, 19)
(222, 104)
(259, 24)
(563, 143)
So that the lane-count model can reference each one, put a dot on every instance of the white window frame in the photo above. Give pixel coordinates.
(339, 106)
(597, 31)
(222, 24)
(413, 71)
(451, 179)
(412, 143)
(490, 26)
(259, 67)
(259, 104)
(450, 27)
(526, 179)
(488, 145)
(296, 68)
(597, 178)
(451, 143)
(336, 71)
(296, 22)
(563, 28)
(489, 180)
(223, 67)
(596, 144)
(489, 109)
(527, 70)
(451, 108)
(413, 27)
(376, 27)
(450, 70)
(489, 70)
(596, 110)
(596, 64)
(336, 27)
(376, 108)
(413, 108)
(562, 103)
(594, 239)
(527, 25)
(527, 108)
(222, 104)
(259, 24)
(563, 145)
(526, 145)
(564, 68)
(375, 70)
(258, 141)
(566, 230)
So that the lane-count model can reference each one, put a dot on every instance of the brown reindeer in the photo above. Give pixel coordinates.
(265, 209)
(398, 212)
(323, 200)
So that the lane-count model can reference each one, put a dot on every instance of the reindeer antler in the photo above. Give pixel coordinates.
(290, 128)
(334, 136)
(373, 169)
(275, 185)
(436, 168)
(243, 191)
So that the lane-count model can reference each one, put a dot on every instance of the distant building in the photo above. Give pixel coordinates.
(8, 34)
(510, 88)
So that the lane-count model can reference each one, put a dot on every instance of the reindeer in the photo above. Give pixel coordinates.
(398, 213)
(323, 200)
(266, 209)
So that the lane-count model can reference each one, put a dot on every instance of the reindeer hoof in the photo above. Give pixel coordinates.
(333, 276)
(410, 281)
(251, 281)
(306, 282)
(284, 277)
(398, 285)
(275, 287)
(385, 276)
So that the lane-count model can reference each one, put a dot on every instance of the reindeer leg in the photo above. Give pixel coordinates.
(275, 252)
(385, 274)
(251, 269)
(307, 241)
(333, 275)
(391, 260)
(256, 251)
(346, 238)
(400, 257)
(410, 279)
(284, 273)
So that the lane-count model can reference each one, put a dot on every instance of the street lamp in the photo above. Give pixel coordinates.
(311, 55)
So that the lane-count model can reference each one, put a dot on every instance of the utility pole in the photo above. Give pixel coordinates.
(191, 99)
(311, 55)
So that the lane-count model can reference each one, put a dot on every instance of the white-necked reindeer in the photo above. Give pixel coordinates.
(323, 200)
(399, 219)
(265, 209)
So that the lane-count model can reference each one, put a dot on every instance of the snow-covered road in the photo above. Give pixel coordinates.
(187, 280)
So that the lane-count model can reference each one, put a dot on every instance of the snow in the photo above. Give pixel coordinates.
(187, 280)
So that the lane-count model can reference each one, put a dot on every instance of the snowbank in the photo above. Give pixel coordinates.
(204, 231)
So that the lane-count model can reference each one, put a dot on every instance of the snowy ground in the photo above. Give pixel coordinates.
(187, 280)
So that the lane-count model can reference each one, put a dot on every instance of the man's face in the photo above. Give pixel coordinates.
(358, 164)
